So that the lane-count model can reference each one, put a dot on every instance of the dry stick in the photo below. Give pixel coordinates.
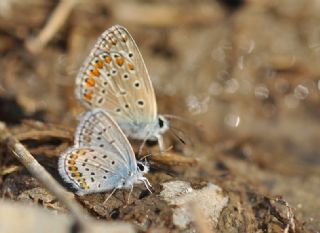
(165, 15)
(56, 21)
(41, 134)
(173, 159)
(23, 155)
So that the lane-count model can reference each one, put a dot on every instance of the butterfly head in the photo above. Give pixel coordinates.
(137, 176)
(143, 168)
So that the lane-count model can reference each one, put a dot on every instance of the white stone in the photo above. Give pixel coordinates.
(209, 201)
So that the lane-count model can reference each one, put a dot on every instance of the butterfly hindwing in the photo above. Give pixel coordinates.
(114, 77)
(97, 129)
(91, 170)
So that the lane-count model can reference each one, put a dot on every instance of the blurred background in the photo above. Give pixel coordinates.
(246, 72)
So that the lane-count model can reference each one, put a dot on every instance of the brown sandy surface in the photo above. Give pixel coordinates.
(247, 76)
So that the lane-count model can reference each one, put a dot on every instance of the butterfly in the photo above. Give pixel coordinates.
(102, 158)
(114, 77)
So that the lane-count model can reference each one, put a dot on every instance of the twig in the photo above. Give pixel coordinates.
(173, 159)
(7, 170)
(23, 155)
(56, 21)
(49, 150)
(165, 15)
(42, 134)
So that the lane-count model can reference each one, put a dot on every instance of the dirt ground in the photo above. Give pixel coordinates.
(244, 73)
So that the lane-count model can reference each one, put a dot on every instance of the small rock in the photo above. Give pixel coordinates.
(209, 200)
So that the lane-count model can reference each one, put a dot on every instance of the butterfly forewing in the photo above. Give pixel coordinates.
(90, 169)
(114, 77)
(98, 130)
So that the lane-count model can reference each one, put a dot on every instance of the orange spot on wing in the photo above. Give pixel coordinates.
(77, 174)
(120, 61)
(82, 152)
(95, 72)
(71, 162)
(73, 156)
(99, 64)
(72, 168)
(131, 66)
(108, 60)
(83, 184)
(90, 82)
(87, 96)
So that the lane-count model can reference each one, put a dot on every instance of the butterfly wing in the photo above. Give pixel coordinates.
(114, 77)
(98, 129)
(90, 169)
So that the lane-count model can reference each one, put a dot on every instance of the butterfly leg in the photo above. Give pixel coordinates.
(131, 189)
(106, 200)
(142, 145)
(161, 143)
(146, 183)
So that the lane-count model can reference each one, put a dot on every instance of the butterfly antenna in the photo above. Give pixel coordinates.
(180, 119)
(174, 131)
(177, 136)
(147, 183)
(166, 150)
(143, 144)
(144, 157)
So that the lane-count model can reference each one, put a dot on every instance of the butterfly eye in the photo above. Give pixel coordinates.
(161, 122)
(140, 166)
